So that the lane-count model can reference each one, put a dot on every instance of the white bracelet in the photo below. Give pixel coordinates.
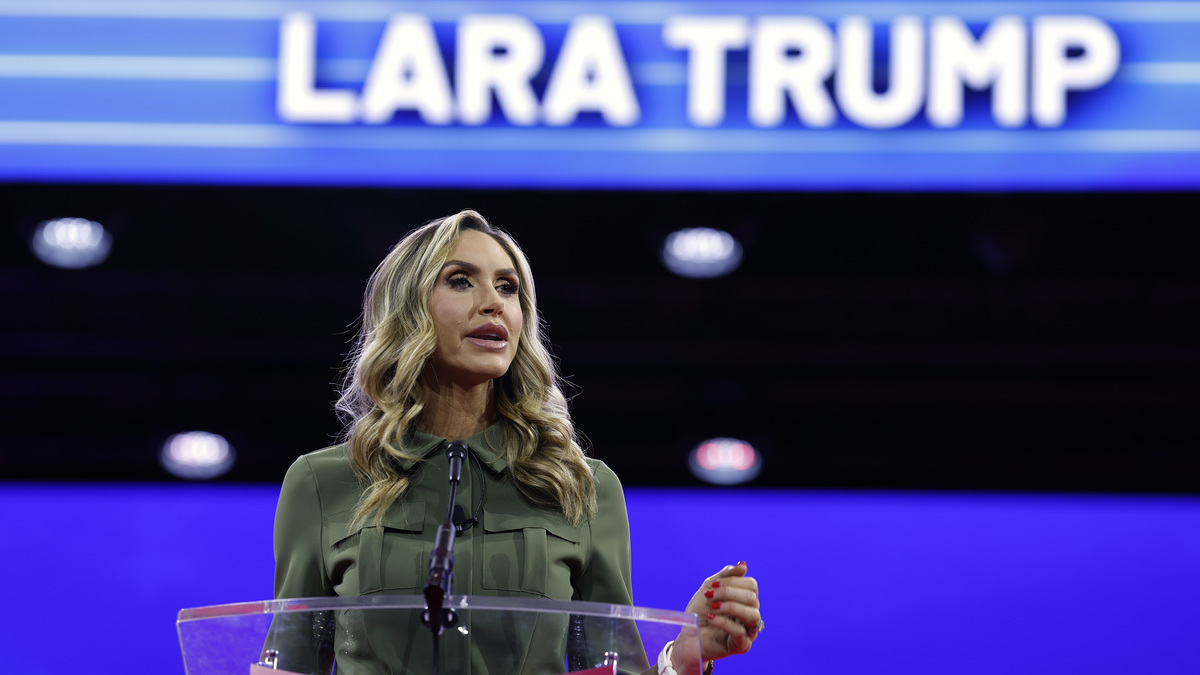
(664, 660)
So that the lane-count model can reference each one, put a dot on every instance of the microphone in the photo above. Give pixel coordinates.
(441, 561)
(456, 452)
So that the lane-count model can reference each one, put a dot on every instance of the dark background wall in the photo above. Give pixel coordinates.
(1030, 341)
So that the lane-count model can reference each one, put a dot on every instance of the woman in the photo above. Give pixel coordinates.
(451, 347)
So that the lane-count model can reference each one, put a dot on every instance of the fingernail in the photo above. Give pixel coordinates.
(711, 616)
(716, 605)
(742, 562)
(708, 594)
(716, 584)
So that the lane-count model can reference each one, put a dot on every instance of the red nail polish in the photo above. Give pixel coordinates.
(716, 584)
(708, 594)
(742, 562)
(716, 605)
(711, 616)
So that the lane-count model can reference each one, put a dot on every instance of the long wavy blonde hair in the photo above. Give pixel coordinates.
(382, 396)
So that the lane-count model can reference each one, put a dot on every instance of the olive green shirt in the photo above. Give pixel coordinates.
(517, 549)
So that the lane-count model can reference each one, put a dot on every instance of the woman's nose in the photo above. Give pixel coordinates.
(492, 303)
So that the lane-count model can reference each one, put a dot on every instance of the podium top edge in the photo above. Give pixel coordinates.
(461, 602)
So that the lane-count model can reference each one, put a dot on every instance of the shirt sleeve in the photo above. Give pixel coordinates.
(299, 558)
(607, 577)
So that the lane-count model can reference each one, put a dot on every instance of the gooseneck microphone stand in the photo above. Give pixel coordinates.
(441, 561)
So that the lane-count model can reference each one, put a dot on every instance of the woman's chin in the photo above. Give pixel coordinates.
(464, 378)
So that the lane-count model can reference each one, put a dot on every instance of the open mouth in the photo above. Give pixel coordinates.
(491, 332)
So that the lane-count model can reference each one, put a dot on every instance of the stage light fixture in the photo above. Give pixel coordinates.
(701, 252)
(71, 243)
(197, 455)
(725, 461)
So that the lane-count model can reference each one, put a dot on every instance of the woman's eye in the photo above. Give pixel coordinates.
(459, 281)
(507, 288)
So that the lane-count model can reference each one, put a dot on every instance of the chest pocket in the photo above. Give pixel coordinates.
(529, 553)
(394, 559)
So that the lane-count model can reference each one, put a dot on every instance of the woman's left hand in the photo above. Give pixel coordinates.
(727, 604)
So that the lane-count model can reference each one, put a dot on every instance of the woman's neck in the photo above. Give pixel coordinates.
(456, 413)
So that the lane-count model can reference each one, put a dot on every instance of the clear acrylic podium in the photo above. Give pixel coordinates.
(377, 635)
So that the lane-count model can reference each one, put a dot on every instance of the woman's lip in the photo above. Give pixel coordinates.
(490, 330)
(488, 344)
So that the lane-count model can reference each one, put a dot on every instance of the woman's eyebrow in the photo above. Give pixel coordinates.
(470, 267)
(474, 269)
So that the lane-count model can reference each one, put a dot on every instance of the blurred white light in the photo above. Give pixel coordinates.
(725, 461)
(73, 243)
(197, 455)
(701, 252)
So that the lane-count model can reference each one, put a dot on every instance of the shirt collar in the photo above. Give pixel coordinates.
(488, 446)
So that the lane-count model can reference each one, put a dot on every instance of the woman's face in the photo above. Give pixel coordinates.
(476, 313)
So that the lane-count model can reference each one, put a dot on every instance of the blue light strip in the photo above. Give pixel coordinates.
(852, 582)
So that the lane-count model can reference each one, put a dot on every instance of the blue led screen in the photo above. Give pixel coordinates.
(654, 95)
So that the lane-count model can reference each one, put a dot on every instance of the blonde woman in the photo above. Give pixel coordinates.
(451, 347)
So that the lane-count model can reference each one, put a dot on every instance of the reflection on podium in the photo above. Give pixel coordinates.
(376, 635)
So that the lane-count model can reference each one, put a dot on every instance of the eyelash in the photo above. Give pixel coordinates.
(460, 281)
